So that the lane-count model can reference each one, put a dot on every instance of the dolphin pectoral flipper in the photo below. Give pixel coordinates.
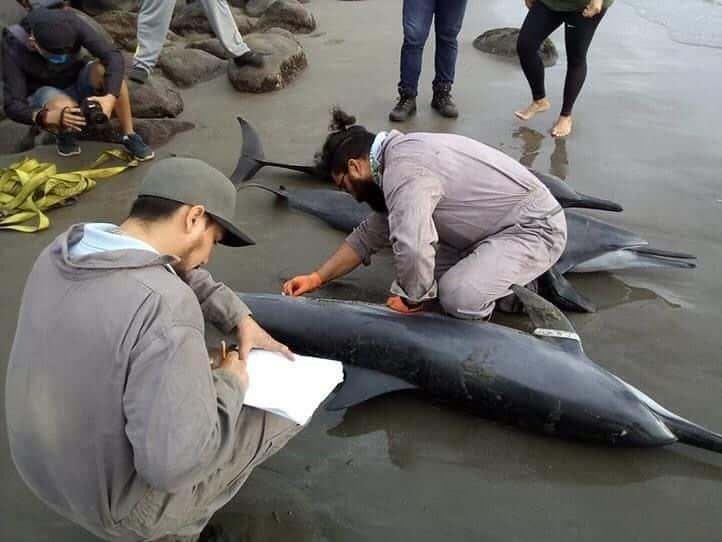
(557, 289)
(280, 192)
(550, 323)
(362, 384)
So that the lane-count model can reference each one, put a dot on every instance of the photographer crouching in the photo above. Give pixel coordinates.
(48, 83)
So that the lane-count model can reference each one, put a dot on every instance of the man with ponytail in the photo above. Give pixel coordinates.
(464, 220)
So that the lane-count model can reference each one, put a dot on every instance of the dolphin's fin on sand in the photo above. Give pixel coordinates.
(251, 155)
(568, 197)
(280, 192)
(549, 322)
(559, 291)
(362, 384)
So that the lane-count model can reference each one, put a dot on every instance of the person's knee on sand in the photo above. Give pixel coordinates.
(463, 302)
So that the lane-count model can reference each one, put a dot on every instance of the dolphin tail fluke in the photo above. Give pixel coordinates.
(559, 291)
(656, 257)
(693, 434)
(280, 192)
(550, 323)
(251, 157)
(590, 202)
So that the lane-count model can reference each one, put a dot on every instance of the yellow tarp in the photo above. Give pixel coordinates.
(28, 188)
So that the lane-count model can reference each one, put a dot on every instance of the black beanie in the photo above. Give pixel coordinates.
(53, 30)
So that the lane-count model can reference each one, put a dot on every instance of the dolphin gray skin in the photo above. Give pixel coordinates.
(252, 159)
(544, 381)
(592, 244)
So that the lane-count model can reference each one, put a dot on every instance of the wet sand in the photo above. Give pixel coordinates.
(398, 468)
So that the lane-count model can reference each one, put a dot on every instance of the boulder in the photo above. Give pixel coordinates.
(15, 137)
(94, 24)
(2, 102)
(188, 67)
(192, 20)
(155, 132)
(212, 46)
(283, 62)
(288, 14)
(256, 8)
(502, 42)
(122, 27)
(157, 98)
(96, 7)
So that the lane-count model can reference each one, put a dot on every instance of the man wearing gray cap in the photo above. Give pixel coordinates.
(115, 417)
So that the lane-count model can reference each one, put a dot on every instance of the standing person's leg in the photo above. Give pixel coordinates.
(517, 255)
(417, 16)
(447, 25)
(578, 34)
(539, 23)
(153, 23)
(224, 26)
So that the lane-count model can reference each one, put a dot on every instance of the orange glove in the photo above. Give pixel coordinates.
(302, 284)
(398, 304)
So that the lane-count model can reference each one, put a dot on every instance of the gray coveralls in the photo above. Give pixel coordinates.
(154, 20)
(465, 222)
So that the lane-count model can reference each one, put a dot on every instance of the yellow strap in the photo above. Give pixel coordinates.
(29, 187)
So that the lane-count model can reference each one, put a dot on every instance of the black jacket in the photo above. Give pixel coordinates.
(25, 70)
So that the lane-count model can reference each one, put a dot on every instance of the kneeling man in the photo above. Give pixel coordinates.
(464, 220)
(115, 418)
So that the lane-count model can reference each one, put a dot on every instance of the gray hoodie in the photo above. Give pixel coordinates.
(109, 389)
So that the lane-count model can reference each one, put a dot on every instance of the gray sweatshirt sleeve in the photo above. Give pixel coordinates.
(181, 417)
(412, 201)
(370, 236)
(220, 304)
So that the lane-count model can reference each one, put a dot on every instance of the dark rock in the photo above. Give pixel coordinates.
(155, 132)
(2, 102)
(212, 46)
(188, 67)
(192, 20)
(284, 60)
(256, 8)
(15, 137)
(123, 25)
(502, 42)
(157, 98)
(288, 14)
(96, 7)
(94, 24)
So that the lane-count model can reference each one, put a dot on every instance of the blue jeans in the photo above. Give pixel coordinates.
(78, 91)
(417, 15)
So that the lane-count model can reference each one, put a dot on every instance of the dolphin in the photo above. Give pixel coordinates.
(592, 244)
(542, 381)
(252, 159)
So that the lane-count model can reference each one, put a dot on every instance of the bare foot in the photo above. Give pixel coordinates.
(537, 106)
(563, 127)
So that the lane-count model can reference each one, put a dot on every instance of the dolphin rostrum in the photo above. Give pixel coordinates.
(542, 381)
(252, 159)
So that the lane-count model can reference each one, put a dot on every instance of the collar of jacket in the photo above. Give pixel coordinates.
(102, 261)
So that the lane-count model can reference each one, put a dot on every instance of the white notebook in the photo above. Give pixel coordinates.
(293, 389)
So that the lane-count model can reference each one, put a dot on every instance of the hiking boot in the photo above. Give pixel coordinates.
(404, 108)
(67, 144)
(137, 148)
(250, 58)
(443, 102)
(139, 75)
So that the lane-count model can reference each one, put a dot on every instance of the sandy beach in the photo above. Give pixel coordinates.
(399, 468)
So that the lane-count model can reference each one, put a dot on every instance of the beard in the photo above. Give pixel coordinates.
(367, 191)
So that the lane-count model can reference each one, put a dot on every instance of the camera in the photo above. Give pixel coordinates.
(92, 112)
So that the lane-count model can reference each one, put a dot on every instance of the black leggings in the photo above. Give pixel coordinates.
(578, 33)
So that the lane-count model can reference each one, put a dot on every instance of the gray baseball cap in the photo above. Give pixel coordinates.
(193, 182)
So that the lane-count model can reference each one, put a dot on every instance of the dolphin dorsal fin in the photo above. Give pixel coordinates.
(549, 322)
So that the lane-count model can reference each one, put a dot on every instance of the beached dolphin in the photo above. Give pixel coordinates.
(592, 244)
(252, 159)
(542, 381)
